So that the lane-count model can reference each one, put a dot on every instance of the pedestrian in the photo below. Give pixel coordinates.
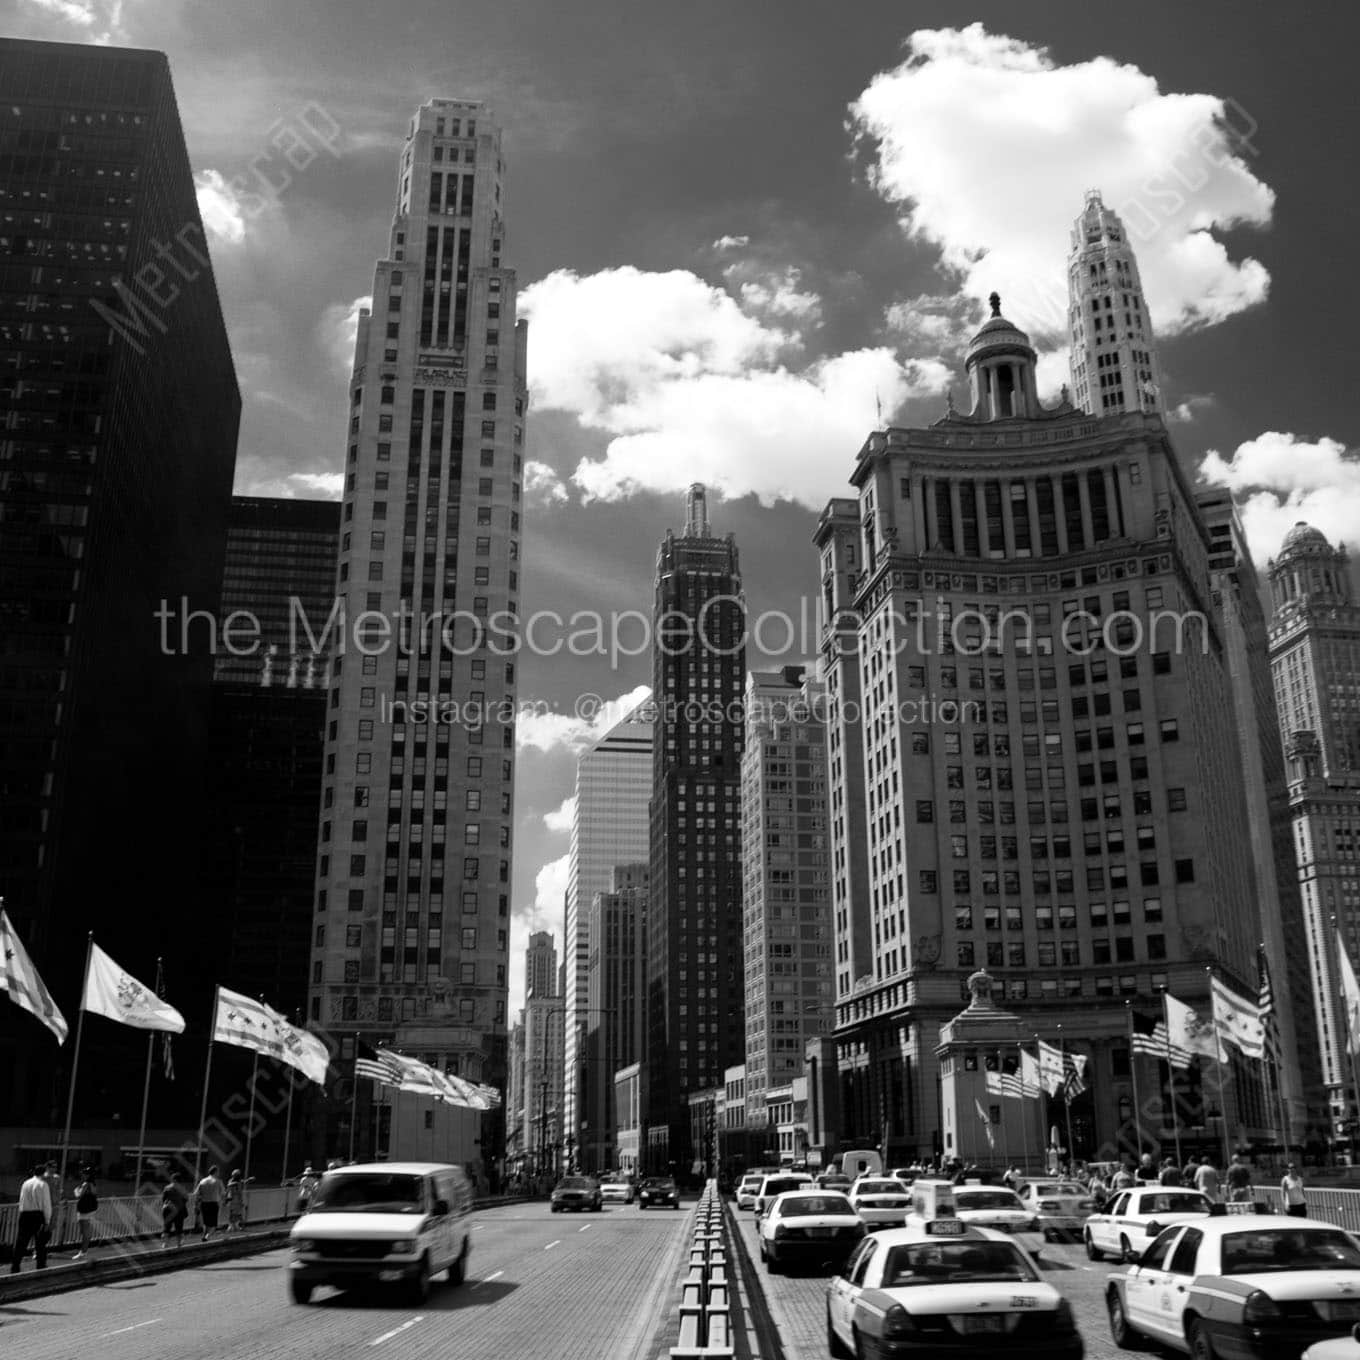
(1123, 1179)
(1239, 1181)
(1291, 1188)
(1170, 1174)
(236, 1202)
(87, 1201)
(306, 1185)
(209, 1192)
(1147, 1173)
(35, 1220)
(174, 1210)
(1206, 1180)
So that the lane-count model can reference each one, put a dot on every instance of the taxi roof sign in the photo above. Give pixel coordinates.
(946, 1227)
(932, 1200)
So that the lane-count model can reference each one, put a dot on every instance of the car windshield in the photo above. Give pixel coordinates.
(751, 1182)
(772, 1188)
(367, 1193)
(1272, 1249)
(879, 1188)
(575, 1183)
(657, 1183)
(986, 1199)
(1174, 1204)
(954, 1263)
(804, 1206)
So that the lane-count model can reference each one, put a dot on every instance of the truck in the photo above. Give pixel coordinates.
(861, 1163)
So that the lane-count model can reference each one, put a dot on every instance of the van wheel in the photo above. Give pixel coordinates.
(420, 1282)
(458, 1270)
(299, 1290)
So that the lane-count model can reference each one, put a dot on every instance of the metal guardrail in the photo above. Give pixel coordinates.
(1341, 1207)
(705, 1292)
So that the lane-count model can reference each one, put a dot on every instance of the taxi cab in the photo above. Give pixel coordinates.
(1060, 1206)
(943, 1284)
(1135, 1217)
(993, 1206)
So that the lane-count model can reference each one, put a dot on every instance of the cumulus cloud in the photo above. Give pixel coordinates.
(775, 293)
(562, 816)
(542, 485)
(1281, 478)
(550, 731)
(1191, 409)
(100, 20)
(543, 913)
(986, 145)
(935, 322)
(692, 386)
(328, 485)
(731, 242)
(221, 207)
(338, 328)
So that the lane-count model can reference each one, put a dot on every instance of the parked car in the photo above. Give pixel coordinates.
(811, 1226)
(778, 1184)
(658, 1191)
(616, 1190)
(576, 1192)
(1060, 1206)
(1134, 1217)
(881, 1201)
(1239, 1285)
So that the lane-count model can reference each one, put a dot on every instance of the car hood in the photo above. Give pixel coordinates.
(983, 1297)
(356, 1225)
(1286, 1285)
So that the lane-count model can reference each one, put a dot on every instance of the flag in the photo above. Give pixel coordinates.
(1265, 1006)
(1051, 1067)
(1187, 1033)
(1350, 994)
(304, 1051)
(20, 979)
(1237, 1021)
(994, 1084)
(1074, 1080)
(1149, 1035)
(1030, 1084)
(375, 1071)
(1012, 1084)
(986, 1123)
(488, 1093)
(117, 995)
(247, 1023)
(167, 1055)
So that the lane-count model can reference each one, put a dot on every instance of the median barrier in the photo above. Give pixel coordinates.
(705, 1306)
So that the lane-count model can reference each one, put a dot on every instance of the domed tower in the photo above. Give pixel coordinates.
(1309, 570)
(1000, 363)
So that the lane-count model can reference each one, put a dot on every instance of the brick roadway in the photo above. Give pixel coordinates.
(798, 1301)
(540, 1286)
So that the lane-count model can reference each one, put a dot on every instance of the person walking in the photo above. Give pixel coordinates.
(307, 1184)
(1291, 1189)
(87, 1201)
(1170, 1174)
(1123, 1179)
(1206, 1180)
(209, 1192)
(1239, 1181)
(236, 1202)
(174, 1210)
(35, 1220)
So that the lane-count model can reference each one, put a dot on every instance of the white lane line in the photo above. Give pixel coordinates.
(494, 1276)
(551, 1245)
(397, 1331)
(150, 1322)
(587, 1228)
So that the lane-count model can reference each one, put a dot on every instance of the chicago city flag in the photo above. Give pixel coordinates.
(1238, 1022)
(1187, 1033)
(241, 1020)
(111, 992)
(20, 981)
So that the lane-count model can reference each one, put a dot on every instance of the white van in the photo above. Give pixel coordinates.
(384, 1222)
(857, 1164)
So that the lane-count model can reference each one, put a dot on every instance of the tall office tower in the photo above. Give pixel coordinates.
(617, 995)
(786, 888)
(413, 874)
(1113, 356)
(1242, 618)
(608, 827)
(1052, 785)
(514, 1097)
(695, 1025)
(540, 965)
(1315, 659)
(117, 446)
(542, 1124)
(268, 728)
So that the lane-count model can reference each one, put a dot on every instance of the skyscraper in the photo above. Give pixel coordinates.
(1315, 660)
(540, 965)
(1114, 356)
(608, 827)
(694, 933)
(116, 459)
(413, 872)
(1052, 782)
(542, 1122)
(786, 889)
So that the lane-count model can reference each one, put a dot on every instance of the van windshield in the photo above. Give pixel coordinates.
(368, 1193)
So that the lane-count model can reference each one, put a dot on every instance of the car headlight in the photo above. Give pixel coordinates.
(303, 1244)
(405, 1246)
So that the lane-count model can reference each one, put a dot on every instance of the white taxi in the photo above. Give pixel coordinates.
(993, 1206)
(1060, 1206)
(1135, 1217)
(944, 1286)
(881, 1201)
(773, 1185)
(616, 1189)
(812, 1226)
(749, 1189)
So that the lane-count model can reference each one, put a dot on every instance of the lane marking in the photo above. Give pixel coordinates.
(551, 1245)
(488, 1279)
(587, 1228)
(150, 1322)
(397, 1331)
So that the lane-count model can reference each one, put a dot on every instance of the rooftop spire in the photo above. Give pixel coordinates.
(696, 511)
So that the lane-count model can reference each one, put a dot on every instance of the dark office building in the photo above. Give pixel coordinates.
(269, 716)
(116, 460)
(694, 946)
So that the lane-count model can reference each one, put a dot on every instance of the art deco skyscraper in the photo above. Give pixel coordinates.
(1114, 356)
(694, 932)
(413, 875)
(540, 965)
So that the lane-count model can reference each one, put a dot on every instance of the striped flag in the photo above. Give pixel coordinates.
(20, 979)
(1265, 1005)
(1031, 1085)
(1012, 1083)
(375, 1071)
(1051, 1066)
(994, 1084)
(1237, 1021)
(1149, 1035)
(1074, 1075)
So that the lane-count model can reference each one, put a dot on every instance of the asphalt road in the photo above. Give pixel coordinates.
(540, 1286)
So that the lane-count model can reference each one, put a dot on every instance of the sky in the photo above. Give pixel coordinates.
(747, 234)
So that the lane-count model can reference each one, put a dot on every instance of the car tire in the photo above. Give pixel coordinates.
(859, 1352)
(420, 1283)
(1201, 1345)
(773, 1264)
(458, 1270)
(1121, 1333)
(1048, 1234)
(1126, 1252)
(1093, 1252)
(300, 1291)
(834, 1345)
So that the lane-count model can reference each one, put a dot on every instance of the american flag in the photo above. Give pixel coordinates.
(1265, 1004)
(1012, 1084)
(380, 1068)
(1149, 1038)
(1074, 1075)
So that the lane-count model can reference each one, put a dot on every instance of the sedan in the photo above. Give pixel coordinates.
(775, 1185)
(748, 1190)
(993, 1206)
(1136, 1216)
(1060, 1206)
(881, 1201)
(616, 1190)
(809, 1226)
(1245, 1286)
(576, 1192)
(658, 1191)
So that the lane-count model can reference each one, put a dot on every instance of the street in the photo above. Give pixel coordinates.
(798, 1301)
(591, 1286)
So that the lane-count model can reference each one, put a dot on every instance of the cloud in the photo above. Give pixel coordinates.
(542, 485)
(1191, 408)
(775, 294)
(543, 913)
(731, 242)
(101, 20)
(693, 387)
(986, 146)
(328, 485)
(219, 204)
(1281, 479)
(561, 817)
(338, 328)
(550, 731)
(933, 322)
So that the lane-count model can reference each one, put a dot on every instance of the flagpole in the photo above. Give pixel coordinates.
(1171, 1080)
(207, 1072)
(1001, 1095)
(75, 1066)
(1067, 1100)
(1350, 1037)
(354, 1099)
(1137, 1095)
(1218, 1066)
(146, 1092)
(287, 1130)
(1024, 1110)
